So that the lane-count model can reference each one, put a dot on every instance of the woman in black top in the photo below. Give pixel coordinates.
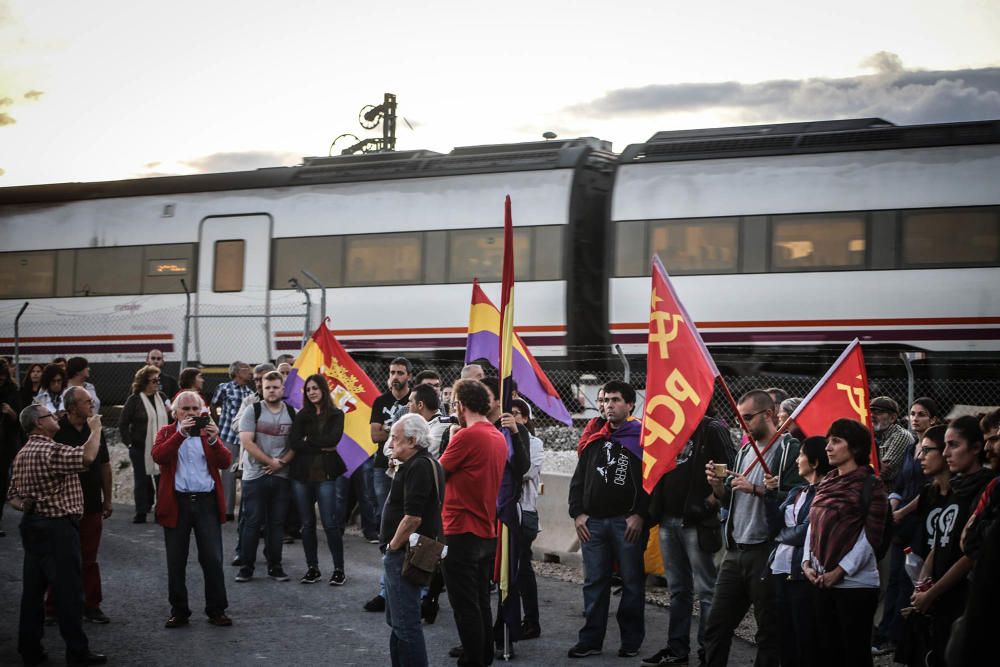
(315, 471)
(32, 384)
(144, 412)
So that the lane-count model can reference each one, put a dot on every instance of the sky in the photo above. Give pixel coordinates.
(113, 89)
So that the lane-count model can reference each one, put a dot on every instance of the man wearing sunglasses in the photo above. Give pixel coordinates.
(45, 485)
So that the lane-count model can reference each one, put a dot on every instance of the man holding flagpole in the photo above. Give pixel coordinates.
(741, 581)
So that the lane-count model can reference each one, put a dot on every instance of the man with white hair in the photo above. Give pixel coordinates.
(190, 498)
(472, 372)
(413, 506)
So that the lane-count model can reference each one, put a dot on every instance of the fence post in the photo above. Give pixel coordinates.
(307, 330)
(908, 359)
(322, 287)
(17, 344)
(187, 324)
(628, 369)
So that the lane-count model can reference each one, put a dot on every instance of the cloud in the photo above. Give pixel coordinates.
(33, 94)
(6, 101)
(242, 161)
(152, 165)
(6, 119)
(893, 92)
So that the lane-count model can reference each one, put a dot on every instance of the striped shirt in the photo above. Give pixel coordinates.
(230, 396)
(47, 472)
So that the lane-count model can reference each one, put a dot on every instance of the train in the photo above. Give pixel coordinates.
(791, 236)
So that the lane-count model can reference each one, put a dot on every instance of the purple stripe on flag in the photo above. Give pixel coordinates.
(483, 345)
(293, 389)
(353, 454)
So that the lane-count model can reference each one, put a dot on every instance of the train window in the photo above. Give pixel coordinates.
(27, 274)
(108, 271)
(166, 266)
(478, 253)
(321, 256)
(824, 241)
(548, 248)
(957, 237)
(228, 274)
(631, 258)
(383, 259)
(696, 246)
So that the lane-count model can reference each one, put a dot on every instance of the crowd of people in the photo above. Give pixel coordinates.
(799, 529)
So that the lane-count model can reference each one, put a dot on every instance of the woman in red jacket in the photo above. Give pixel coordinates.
(190, 497)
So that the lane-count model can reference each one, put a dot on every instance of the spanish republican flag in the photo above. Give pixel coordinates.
(680, 379)
(350, 387)
(483, 342)
(841, 394)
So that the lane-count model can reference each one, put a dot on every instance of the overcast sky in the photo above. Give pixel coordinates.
(123, 88)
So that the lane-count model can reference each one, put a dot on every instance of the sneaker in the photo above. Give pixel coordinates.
(377, 603)
(337, 578)
(628, 652)
(456, 651)
(883, 648)
(371, 538)
(311, 576)
(277, 573)
(95, 615)
(245, 574)
(236, 562)
(581, 651)
(665, 657)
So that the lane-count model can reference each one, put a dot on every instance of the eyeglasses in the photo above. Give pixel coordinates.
(156, 380)
(750, 418)
(924, 451)
(46, 415)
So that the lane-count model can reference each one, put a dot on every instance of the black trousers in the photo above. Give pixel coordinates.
(468, 569)
(797, 606)
(51, 558)
(198, 512)
(743, 581)
(845, 616)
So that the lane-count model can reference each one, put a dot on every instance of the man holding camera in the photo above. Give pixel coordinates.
(190, 455)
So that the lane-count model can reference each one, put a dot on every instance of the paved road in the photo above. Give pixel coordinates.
(278, 623)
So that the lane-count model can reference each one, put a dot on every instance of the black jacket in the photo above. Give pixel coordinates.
(711, 435)
(607, 482)
(132, 421)
(309, 436)
(793, 536)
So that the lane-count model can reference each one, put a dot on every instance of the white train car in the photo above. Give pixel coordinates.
(809, 234)
(396, 238)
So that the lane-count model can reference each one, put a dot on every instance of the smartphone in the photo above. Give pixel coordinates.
(200, 422)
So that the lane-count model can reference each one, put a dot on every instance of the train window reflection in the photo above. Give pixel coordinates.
(956, 237)
(108, 271)
(383, 259)
(166, 266)
(478, 253)
(319, 255)
(825, 241)
(228, 273)
(27, 274)
(696, 246)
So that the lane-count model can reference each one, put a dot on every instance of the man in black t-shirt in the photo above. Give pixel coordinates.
(413, 507)
(386, 409)
(690, 535)
(96, 484)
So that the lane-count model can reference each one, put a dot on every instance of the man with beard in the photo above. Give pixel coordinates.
(741, 581)
(264, 434)
(891, 438)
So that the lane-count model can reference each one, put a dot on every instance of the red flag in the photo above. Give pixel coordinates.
(680, 378)
(842, 393)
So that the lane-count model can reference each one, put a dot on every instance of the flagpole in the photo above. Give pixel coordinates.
(746, 429)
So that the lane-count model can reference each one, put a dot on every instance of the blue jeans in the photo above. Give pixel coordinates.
(402, 613)
(307, 494)
(362, 482)
(607, 544)
(381, 483)
(264, 498)
(689, 570)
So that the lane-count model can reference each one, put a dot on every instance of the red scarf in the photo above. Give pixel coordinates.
(836, 516)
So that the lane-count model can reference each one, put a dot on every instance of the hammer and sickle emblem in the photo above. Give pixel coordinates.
(856, 397)
(661, 336)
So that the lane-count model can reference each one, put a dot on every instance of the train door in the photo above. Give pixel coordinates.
(232, 307)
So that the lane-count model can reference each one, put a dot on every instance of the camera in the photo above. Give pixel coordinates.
(200, 422)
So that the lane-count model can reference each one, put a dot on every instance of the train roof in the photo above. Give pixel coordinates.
(857, 134)
(497, 158)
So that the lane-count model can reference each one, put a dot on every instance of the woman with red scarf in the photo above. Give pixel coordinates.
(839, 554)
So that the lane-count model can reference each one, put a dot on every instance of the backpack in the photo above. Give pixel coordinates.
(257, 408)
(882, 547)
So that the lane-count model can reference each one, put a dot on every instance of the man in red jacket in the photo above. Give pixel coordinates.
(190, 497)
